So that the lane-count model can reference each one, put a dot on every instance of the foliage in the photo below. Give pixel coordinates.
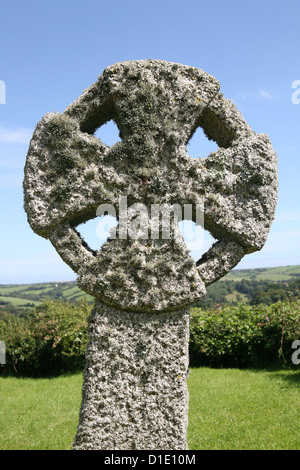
(52, 339)
(244, 335)
(49, 341)
(250, 291)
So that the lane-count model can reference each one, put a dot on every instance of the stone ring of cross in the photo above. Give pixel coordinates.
(157, 106)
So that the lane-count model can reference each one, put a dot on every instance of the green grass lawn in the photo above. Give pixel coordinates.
(244, 409)
(228, 409)
(39, 413)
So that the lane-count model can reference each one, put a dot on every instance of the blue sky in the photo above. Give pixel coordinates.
(52, 51)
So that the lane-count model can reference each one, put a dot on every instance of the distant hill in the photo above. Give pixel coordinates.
(240, 285)
(283, 273)
(18, 298)
(254, 286)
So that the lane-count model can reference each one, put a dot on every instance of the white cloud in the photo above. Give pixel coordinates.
(255, 95)
(265, 94)
(20, 135)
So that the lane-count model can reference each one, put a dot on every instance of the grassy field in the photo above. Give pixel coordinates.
(18, 301)
(20, 295)
(228, 409)
(244, 409)
(282, 273)
(233, 297)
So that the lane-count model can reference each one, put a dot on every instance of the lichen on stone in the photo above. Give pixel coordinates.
(157, 107)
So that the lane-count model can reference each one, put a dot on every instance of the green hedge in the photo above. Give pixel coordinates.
(53, 339)
(243, 336)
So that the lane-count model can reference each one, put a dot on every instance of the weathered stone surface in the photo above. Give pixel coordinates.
(157, 106)
(135, 394)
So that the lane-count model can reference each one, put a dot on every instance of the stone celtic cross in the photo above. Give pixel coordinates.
(135, 389)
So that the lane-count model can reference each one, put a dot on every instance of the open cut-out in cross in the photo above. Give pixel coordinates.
(157, 107)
